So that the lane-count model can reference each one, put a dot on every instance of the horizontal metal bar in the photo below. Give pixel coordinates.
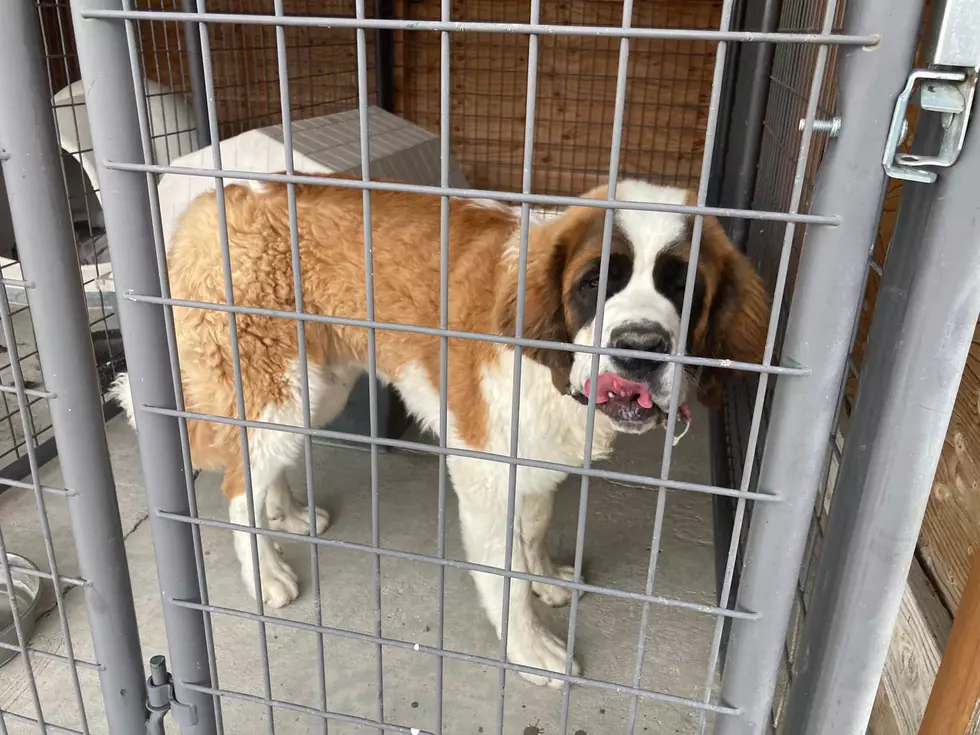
(457, 564)
(294, 707)
(542, 29)
(30, 486)
(47, 728)
(73, 581)
(13, 390)
(51, 656)
(459, 656)
(500, 196)
(476, 336)
(16, 283)
(694, 487)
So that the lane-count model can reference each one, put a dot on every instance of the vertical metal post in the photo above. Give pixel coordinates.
(195, 69)
(46, 247)
(112, 109)
(733, 185)
(750, 98)
(923, 325)
(850, 185)
(384, 59)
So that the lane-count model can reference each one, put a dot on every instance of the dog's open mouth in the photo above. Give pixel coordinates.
(631, 403)
(614, 390)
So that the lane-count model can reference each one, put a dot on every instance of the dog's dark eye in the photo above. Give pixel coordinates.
(670, 277)
(619, 273)
(679, 283)
(590, 281)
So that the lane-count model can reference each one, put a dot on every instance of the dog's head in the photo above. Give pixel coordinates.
(647, 273)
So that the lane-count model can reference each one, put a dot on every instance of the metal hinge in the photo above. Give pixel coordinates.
(948, 93)
(160, 699)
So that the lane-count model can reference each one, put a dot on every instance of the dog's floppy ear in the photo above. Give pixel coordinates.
(550, 247)
(735, 316)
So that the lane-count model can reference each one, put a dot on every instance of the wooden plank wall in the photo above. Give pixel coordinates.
(951, 529)
(666, 110)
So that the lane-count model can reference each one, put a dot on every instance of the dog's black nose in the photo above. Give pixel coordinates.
(653, 338)
(641, 337)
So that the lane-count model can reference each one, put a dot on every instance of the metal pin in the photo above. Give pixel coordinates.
(831, 127)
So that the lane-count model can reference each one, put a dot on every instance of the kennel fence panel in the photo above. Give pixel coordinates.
(117, 116)
(90, 246)
(850, 182)
(666, 107)
(109, 50)
(845, 701)
(770, 90)
(40, 213)
(920, 334)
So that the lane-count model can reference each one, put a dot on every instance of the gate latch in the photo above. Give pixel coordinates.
(161, 699)
(948, 93)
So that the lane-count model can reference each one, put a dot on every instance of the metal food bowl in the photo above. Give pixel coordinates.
(27, 589)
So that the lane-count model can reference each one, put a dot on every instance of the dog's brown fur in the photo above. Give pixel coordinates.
(405, 231)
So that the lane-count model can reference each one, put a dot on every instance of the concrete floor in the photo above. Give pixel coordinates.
(617, 548)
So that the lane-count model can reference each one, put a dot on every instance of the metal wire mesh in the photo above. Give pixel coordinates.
(792, 69)
(83, 199)
(664, 117)
(377, 636)
(322, 65)
(790, 80)
(516, 126)
(32, 509)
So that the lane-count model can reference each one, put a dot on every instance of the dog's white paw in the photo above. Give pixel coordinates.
(552, 595)
(538, 647)
(296, 519)
(280, 585)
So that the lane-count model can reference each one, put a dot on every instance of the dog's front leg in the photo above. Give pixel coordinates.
(483, 515)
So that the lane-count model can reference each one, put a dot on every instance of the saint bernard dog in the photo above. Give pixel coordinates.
(646, 279)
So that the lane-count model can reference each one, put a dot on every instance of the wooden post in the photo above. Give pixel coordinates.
(953, 703)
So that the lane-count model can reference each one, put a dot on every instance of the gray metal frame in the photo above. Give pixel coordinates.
(925, 317)
(833, 261)
(873, 57)
(116, 119)
(31, 160)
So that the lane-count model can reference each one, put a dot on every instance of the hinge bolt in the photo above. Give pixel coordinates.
(831, 127)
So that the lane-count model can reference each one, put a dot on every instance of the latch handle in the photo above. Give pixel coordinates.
(951, 95)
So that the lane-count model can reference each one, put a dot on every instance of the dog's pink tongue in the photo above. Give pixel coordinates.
(609, 385)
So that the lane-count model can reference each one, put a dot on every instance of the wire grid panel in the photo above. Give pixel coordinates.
(322, 61)
(35, 527)
(790, 87)
(83, 197)
(53, 680)
(365, 605)
(786, 101)
(51, 675)
(665, 112)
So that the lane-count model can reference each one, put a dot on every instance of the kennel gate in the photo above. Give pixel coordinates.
(873, 55)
